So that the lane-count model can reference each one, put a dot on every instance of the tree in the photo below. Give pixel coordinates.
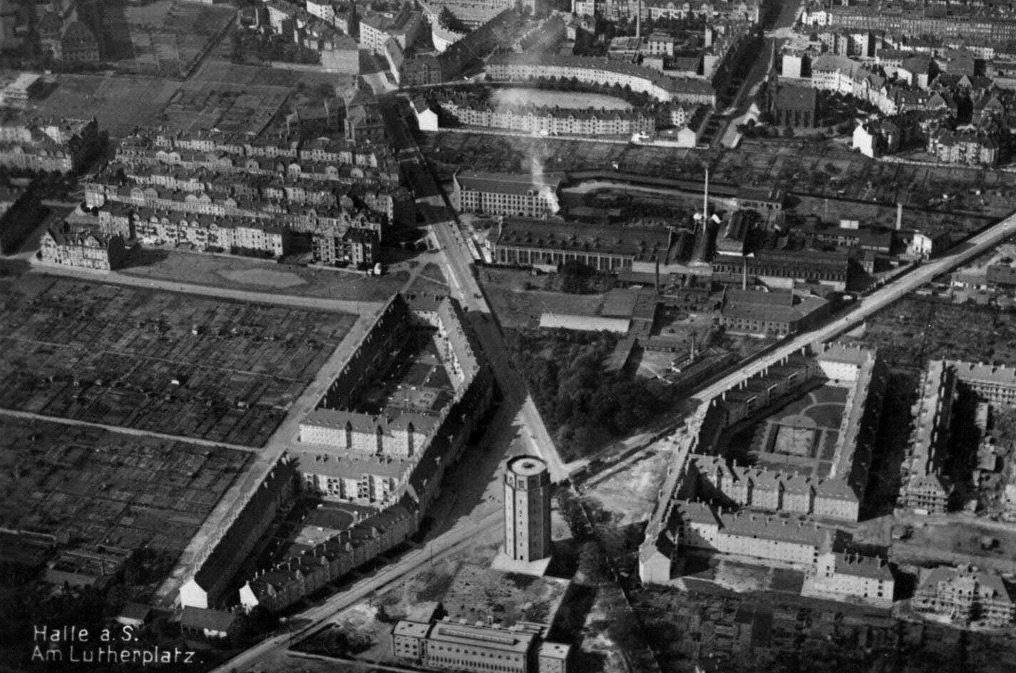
(448, 20)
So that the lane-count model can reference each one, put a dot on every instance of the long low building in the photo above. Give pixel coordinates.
(926, 490)
(609, 248)
(555, 121)
(701, 526)
(521, 648)
(827, 268)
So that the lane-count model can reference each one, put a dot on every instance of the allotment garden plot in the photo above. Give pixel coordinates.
(85, 483)
(159, 361)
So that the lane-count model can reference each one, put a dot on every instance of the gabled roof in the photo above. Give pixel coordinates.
(211, 620)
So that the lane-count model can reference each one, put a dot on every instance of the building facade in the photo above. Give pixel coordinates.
(966, 596)
(516, 195)
(82, 247)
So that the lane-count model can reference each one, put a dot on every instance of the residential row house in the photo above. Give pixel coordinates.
(747, 11)
(700, 526)
(338, 52)
(846, 576)
(45, 145)
(211, 233)
(556, 121)
(304, 205)
(970, 146)
(82, 247)
(926, 490)
(966, 596)
(966, 22)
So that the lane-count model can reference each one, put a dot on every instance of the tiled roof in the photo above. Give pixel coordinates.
(506, 183)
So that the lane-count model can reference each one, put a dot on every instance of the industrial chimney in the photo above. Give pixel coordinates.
(705, 198)
(899, 215)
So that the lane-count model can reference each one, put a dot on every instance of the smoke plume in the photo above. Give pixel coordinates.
(540, 183)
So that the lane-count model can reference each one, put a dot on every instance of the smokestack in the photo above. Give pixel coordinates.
(705, 199)
(744, 275)
(657, 275)
(638, 26)
(899, 215)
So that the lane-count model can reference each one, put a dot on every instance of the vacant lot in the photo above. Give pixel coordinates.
(159, 361)
(120, 102)
(246, 273)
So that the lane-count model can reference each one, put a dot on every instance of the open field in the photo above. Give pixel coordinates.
(219, 71)
(159, 361)
(248, 273)
(111, 488)
(562, 99)
(954, 540)
(120, 103)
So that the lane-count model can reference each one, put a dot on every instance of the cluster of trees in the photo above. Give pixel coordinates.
(339, 642)
(270, 48)
(576, 277)
(581, 404)
(448, 20)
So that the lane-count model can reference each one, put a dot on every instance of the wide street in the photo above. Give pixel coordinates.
(454, 246)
